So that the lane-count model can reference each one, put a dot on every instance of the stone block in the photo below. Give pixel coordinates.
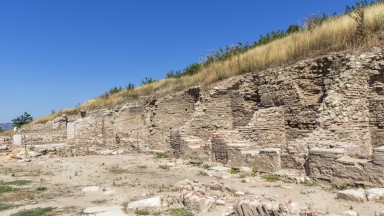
(352, 195)
(153, 202)
(70, 130)
(269, 160)
(17, 139)
(374, 194)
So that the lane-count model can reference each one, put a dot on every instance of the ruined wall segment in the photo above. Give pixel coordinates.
(316, 114)
(170, 113)
(54, 131)
(375, 69)
(130, 128)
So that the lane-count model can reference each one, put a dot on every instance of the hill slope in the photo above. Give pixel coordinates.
(348, 31)
(6, 126)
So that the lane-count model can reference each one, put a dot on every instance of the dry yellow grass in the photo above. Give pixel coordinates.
(332, 35)
(57, 114)
(8, 133)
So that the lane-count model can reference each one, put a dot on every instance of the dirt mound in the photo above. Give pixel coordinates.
(11, 156)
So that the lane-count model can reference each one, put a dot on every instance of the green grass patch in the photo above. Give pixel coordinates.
(6, 189)
(196, 163)
(180, 212)
(270, 178)
(234, 170)
(161, 155)
(41, 188)
(339, 187)
(16, 182)
(5, 206)
(141, 212)
(308, 183)
(34, 212)
(254, 171)
(117, 170)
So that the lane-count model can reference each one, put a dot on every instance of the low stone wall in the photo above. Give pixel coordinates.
(334, 166)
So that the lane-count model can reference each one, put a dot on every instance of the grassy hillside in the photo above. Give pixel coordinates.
(348, 31)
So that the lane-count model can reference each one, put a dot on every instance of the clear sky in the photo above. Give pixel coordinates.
(58, 53)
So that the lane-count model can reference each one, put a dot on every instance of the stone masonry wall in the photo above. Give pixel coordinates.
(54, 131)
(285, 117)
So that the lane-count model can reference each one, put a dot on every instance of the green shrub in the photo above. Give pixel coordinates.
(5, 206)
(5, 189)
(130, 86)
(339, 187)
(180, 212)
(16, 182)
(271, 178)
(234, 171)
(141, 212)
(192, 69)
(117, 170)
(161, 155)
(308, 183)
(41, 188)
(147, 80)
(34, 212)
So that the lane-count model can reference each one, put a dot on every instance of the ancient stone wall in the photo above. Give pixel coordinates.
(171, 113)
(272, 119)
(334, 166)
(54, 131)
(266, 128)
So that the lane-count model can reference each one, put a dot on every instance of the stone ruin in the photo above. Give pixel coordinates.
(323, 116)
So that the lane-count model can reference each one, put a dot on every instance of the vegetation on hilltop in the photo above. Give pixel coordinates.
(22, 120)
(360, 26)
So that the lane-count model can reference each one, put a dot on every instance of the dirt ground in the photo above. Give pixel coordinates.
(65, 185)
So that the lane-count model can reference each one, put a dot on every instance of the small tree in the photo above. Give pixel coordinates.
(292, 29)
(192, 69)
(147, 80)
(130, 86)
(1, 130)
(21, 120)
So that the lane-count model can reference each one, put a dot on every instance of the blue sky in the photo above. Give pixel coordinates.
(56, 54)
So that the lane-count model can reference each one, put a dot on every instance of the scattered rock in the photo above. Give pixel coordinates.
(105, 152)
(239, 193)
(90, 189)
(145, 203)
(167, 165)
(105, 211)
(246, 169)
(196, 201)
(220, 202)
(229, 212)
(30, 154)
(349, 213)
(183, 183)
(109, 191)
(374, 194)
(220, 168)
(352, 195)
(216, 186)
